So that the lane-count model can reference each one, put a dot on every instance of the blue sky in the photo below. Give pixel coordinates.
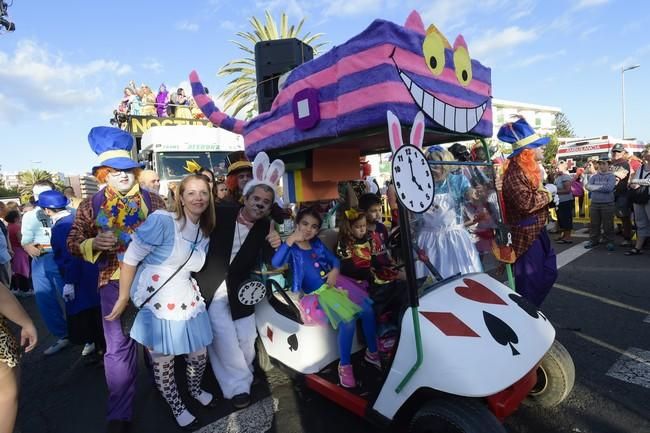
(63, 70)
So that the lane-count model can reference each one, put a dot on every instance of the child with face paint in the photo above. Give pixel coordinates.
(327, 297)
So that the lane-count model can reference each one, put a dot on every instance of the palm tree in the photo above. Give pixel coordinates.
(30, 177)
(240, 94)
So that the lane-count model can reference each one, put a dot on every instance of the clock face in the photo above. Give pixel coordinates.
(251, 292)
(413, 179)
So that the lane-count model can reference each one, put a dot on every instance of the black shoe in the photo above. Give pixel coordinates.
(241, 401)
(119, 426)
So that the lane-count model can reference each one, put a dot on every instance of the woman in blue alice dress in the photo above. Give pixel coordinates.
(174, 321)
(328, 298)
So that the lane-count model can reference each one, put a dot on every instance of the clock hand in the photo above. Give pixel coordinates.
(413, 178)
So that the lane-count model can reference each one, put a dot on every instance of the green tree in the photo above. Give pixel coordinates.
(240, 93)
(563, 129)
(30, 177)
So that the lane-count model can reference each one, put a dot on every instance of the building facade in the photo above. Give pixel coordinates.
(540, 117)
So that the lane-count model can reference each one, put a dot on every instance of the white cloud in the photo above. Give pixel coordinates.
(291, 7)
(346, 7)
(588, 32)
(152, 65)
(521, 9)
(504, 40)
(38, 82)
(227, 25)
(538, 58)
(447, 12)
(583, 4)
(187, 26)
(602, 60)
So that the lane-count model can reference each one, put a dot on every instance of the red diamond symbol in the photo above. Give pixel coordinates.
(449, 324)
(269, 333)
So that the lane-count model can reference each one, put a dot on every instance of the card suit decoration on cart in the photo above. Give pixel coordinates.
(449, 324)
(501, 332)
(477, 292)
(525, 305)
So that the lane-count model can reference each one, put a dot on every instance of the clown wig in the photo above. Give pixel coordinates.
(526, 160)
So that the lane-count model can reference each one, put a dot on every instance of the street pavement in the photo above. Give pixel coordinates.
(600, 308)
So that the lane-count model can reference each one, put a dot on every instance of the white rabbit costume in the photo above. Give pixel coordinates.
(236, 248)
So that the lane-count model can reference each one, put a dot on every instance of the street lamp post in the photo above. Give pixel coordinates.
(627, 68)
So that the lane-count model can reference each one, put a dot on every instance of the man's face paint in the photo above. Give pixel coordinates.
(258, 204)
(121, 180)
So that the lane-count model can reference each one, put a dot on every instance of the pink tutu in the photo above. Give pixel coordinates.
(311, 312)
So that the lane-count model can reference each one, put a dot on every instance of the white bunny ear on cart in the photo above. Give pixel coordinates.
(394, 131)
(417, 130)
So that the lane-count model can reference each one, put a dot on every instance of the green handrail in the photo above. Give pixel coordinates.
(418, 348)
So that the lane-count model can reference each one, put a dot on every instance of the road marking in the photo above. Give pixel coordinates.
(256, 418)
(602, 299)
(632, 367)
(569, 255)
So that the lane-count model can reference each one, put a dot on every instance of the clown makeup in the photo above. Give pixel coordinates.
(308, 226)
(243, 178)
(121, 180)
(359, 228)
(258, 202)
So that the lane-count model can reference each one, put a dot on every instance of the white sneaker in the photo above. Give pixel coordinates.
(88, 349)
(59, 345)
(17, 293)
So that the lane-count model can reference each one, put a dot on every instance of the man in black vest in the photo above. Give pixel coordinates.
(243, 236)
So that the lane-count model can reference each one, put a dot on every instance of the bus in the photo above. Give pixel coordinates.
(167, 149)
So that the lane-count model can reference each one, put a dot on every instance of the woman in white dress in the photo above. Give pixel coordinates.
(168, 247)
(441, 233)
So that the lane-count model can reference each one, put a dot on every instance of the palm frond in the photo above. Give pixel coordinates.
(271, 29)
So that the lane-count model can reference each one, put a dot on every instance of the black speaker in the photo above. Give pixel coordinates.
(272, 59)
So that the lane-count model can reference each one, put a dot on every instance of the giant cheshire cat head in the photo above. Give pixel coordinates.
(404, 69)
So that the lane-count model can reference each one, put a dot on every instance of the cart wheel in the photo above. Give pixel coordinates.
(455, 415)
(263, 359)
(555, 377)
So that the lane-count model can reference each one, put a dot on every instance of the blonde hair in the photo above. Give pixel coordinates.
(208, 218)
(437, 153)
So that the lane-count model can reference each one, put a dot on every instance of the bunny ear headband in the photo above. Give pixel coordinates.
(265, 173)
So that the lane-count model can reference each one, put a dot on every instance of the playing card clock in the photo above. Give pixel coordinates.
(412, 179)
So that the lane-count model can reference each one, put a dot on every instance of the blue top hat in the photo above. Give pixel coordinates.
(113, 146)
(521, 135)
(52, 200)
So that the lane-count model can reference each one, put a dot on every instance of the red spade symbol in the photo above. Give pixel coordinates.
(477, 292)
(155, 277)
(171, 306)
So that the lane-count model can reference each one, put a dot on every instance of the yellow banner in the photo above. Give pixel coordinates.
(139, 124)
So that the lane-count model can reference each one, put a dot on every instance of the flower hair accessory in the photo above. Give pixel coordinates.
(352, 214)
(265, 173)
(193, 167)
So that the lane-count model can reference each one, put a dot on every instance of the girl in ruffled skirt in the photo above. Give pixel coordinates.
(328, 298)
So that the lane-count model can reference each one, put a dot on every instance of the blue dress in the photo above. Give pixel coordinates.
(175, 320)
